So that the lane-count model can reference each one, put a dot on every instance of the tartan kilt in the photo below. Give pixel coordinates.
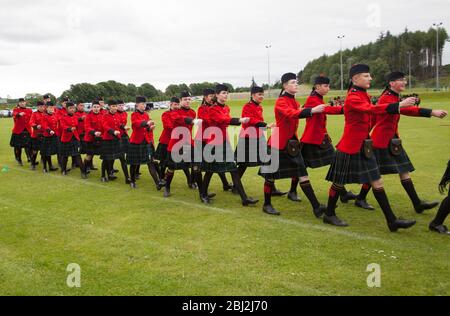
(110, 149)
(353, 169)
(390, 164)
(124, 143)
(316, 157)
(22, 140)
(50, 146)
(251, 157)
(289, 167)
(82, 145)
(36, 143)
(223, 165)
(172, 165)
(139, 154)
(93, 148)
(69, 149)
(161, 154)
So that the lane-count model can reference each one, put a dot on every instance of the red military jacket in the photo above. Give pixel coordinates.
(357, 110)
(50, 124)
(252, 129)
(81, 117)
(37, 119)
(21, 123)
(123, 122)
(219, 118)
(141, 131)
(287, 115)
(60, 113)
(386, 126)
(178, 119)
(67, 122)
(316, 126)
(166, 119)
(92, 125)
(202, 114)
(110, 124)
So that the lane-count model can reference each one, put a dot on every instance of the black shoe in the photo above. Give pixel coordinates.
(104, 180)
(441, 229)
(249, 201)
(36, 164)
(160, 185)
(65, 173)
(52, 169)
(128, 181)
(234, 191)
(228, 187)
(293, 196)
(84, 175)
(112, 178)
(192, 186)
(69, 170)
(318, 212)
(277, 192)
(401, 224)
(138, 177)
(115, 171)
(424, 206)
(364, 205)
(166, 193)
(205, 199)
(269, 209)
(211, 195)
(349, 196)
(334, 220)
(133, 185)
(45, 171)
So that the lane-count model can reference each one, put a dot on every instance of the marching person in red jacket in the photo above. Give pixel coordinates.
(60, 113)
(180, 122)
(389, 151)
(111, 146)
(284, 145)
(36, 123)
(251, 138)
(354, 161)
(20, 137)
(50, 141)
(142, 149)
(80, 114)
(70, 140)
(317, 147)
(218, 156)
(437, 225)
(201, 138)
(93, 126)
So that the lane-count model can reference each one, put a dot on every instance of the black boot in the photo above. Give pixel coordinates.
(293, 196)
(334, 220)
(348, 196)
(401, 224)
(364, 205)
(277, 192)
(424, 206)
(269, 209)
(440, 229)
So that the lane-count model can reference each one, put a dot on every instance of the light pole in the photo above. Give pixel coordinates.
(437, 25)
(409, 68)
(340, 37)
(268, 65)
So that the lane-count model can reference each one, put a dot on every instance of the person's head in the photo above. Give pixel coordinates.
(221, 93)
(360, 76)
(141, 103)
(22, 103)
(185, 99)
(41, 106)
(96, 107)
(70, 107)
(80, 107)
(397, 81)
(322, 85)
(64, 102)
(50, 107)
(208, 96)
(257, 94)
(101, 102)
(112, 106)
(120, 105)
(47, 98)
(289, 83)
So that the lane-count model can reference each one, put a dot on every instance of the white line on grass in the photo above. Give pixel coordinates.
(322, 228)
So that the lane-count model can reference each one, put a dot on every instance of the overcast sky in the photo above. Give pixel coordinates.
(47, 45)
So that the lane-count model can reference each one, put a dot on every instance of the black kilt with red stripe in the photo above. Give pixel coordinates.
(110, 149)
(288, 166)
(390, 164)
(221, 164)
(140, 154)
(50, 146)
(316, 157)
(36, 143)
(69, 149)
(22, 140)
(248, 152)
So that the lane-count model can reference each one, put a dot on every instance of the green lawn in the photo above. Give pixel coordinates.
(138, 243)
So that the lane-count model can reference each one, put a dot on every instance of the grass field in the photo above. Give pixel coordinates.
(138, 243)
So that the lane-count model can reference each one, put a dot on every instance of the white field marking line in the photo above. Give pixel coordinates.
(321, 228)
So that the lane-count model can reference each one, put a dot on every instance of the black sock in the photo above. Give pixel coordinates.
(382, 199)
(133, 169)
(443, 212)
(238, 185)
(79, 163)
(33, 158)
(44, 162)
(188, 176)
(18, 154)
(49, 160)
(364, 191)
(64, 163)
(408, 185)
(241, 171)
(104, 168)
(124, 166)
(169, 178)
(343, 192)
(206, 182)
(294, 184)
(153, 172)
(269, 186)
(309, 192)
(224, 180)
(197, 174)
(333, 197)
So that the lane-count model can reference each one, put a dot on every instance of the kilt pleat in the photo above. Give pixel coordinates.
(353, 169)
(288, 166)
(161, 154)
(82, 145)
(110, 149)
(139, 154)
(124, 144)
(183, 164)
(223, 163)
(36, 143)
(22, 140)
(50, 146)
(390, 164)
(93, 148)
(317, 157)
(248, 152)
(69, 149)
